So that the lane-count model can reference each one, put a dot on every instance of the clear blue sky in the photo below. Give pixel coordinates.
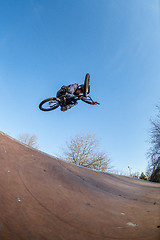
(47, 43)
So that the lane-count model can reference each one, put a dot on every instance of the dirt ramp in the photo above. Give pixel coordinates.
(43, 198)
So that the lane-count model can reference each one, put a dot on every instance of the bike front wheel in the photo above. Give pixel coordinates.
(49, 104)
(86, 85)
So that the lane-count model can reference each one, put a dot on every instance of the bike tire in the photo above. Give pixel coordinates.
(49, 104)
(86, 85)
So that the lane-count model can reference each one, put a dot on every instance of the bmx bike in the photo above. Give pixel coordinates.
(53, 103)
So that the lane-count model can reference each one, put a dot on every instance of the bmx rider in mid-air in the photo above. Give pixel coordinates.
(73, 92)
(68, 96)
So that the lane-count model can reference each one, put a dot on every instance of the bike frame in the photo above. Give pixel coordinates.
(63, 100)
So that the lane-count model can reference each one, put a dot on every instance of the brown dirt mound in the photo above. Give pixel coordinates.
(44, 198)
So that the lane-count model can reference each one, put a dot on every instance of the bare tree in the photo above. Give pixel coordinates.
(30, 140)
(154, 152)
(82, 150)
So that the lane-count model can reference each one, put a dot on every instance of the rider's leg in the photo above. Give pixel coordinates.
(71, 96)
(64, 108)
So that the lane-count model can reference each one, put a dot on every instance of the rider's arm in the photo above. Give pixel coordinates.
(69, 95)
(72, 88)
(88, 100)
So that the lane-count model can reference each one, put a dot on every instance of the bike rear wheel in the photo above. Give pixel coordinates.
(86, 85)
(49, 104)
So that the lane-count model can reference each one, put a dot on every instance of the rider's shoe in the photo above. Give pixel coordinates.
(64, 108)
